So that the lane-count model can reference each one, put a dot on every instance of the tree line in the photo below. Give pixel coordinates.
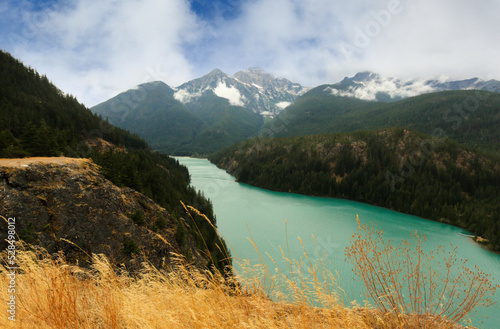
(386, 168)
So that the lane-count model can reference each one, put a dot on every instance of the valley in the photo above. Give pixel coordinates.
(235, 164)
(289, 226)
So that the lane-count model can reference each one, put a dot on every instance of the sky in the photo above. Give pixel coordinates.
(95, 49)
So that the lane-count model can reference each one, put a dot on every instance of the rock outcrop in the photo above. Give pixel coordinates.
(67, 205)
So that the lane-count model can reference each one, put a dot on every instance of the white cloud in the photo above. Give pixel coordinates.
(183, 96)
(95, 49)
(310, 41)
(393, 87)
(432, 38)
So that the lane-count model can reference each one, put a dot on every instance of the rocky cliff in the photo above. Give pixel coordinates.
(67, 205)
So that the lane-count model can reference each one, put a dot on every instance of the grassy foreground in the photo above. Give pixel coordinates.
(53, 294)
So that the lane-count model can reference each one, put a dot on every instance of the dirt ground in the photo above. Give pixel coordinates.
(24, 162)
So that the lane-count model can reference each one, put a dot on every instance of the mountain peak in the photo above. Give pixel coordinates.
(254, 75)
(217, 72)
(160, 85)
(262, 79)
(256, 70)
(362, 77)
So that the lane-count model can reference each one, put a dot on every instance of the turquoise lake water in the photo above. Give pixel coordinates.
(241, 209)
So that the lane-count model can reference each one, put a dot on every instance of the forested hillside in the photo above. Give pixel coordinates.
(225, 124)
(395, 168)
(467, 116)
(38, 119)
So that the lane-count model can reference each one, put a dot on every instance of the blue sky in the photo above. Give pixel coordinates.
(95, 49)
(221, 9)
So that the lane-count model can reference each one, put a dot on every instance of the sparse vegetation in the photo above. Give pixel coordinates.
(180, 233)
(138, 217)
(28, 234)
(160, 223)
(130, 247)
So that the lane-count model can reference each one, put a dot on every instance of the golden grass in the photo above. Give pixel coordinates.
(52, 294)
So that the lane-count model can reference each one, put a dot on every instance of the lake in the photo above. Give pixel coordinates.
(277, 219)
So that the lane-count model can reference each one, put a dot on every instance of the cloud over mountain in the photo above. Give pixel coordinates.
(94, 49)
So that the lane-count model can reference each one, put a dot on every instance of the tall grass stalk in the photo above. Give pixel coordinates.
(419, 289)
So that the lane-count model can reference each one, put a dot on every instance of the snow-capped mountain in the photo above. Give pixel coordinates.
(372, 86)
(254, 89)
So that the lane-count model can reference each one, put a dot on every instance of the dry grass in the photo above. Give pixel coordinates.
(53, 294)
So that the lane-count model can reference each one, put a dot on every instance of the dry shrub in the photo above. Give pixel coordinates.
(414, 288)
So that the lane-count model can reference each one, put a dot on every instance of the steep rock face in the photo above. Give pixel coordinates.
(253, 89)
(67, 205)
(268, 81)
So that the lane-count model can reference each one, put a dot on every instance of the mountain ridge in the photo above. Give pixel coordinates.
(372, 86)
(264, 93)
(469, 117)
(174, 120)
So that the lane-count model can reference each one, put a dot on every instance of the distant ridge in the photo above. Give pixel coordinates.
(215, 110)
(374, 87)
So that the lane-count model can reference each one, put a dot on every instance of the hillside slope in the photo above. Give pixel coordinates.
(37, 119)
(226, 124)
(394, 168)
(64, 204)
(468, 117)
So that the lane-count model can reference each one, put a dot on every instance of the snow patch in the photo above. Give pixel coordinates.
(267, 114)
(283, 105)
(230, 93)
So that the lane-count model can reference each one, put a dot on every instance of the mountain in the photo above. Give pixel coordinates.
(224, 124)
(469, 117)
(151, 111)
(203, 125)
(254, 89)
(203, 115)
(374, 87)
(39, 120)
(396, 168)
